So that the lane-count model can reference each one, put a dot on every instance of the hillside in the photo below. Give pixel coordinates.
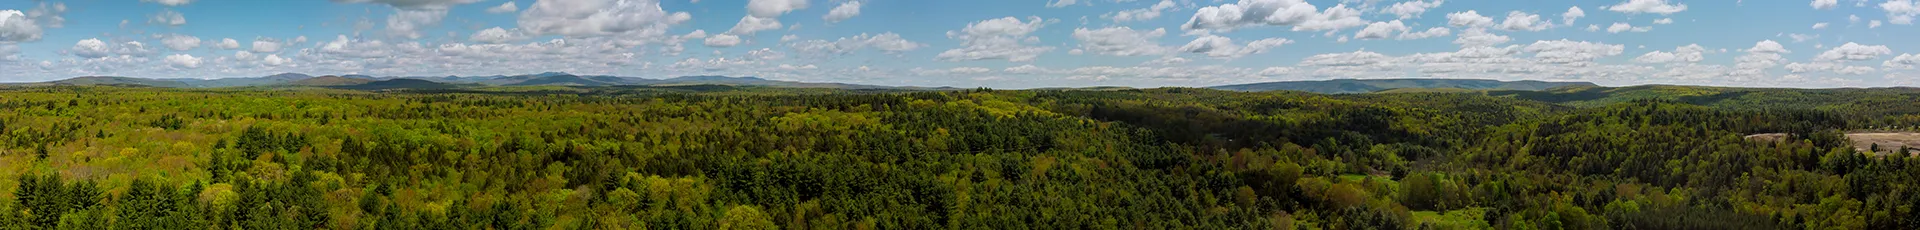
(329, 81)
(393, 84)
(118, 81)
(564, 80)
(1374, 85)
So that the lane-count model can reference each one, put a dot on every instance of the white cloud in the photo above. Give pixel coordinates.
(749, 25)
(1663, 21)
(1429, 33)
(180, 42)
(1904, 61)
(1873, 24)
(266, 45)
(90, 48)
(1572, 14)
(1853, 52)
(17, 27)
(843, 12)
(1000, 38)
(628, 19)
(1901, 12)
(169, 2)
(773, 8)
(1480, 37)
(1822, 25)
(1567, 51)
(722, 41)
(885, 42)
(183, 61)
(1468, 19)
(1060, 3)
(1688, 54)
(508, 7)
(1378, 30)
(1824, 4)
(409, 23)
(228, 43)
(275, 60)
(1167, 61)
(1148, 13)
(168, 17)
(497, 35)
(1277, 71)
(1517, 20)
(1223, 47)
(1764, 55)
(1618, 27)
(1648, 6)
(413, 4)
(1299, 14)
(1412, 9)
(1356, 58)
(1120, 41)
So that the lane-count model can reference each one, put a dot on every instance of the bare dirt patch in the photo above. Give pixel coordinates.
(1885, 143)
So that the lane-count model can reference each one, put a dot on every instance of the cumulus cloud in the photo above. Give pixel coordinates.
(885, 42)
(1480, 37)
(1225, 48)
(508, 7)
(843, 12)
(169, 2)
(1687, 54)
(722, 41)
(414, 4)
(749, 25)
(1901, 12)
(1148, 13)
(1663, 21)
(1468, 19)
(1572, 14)
(1517, 20)
(227, 44)
(90, 48)
(266, 45)
(631, 19)
(1904, 61)
(180, 42)
(1429, 33)
(1822, 25)
(1120, 41)
(773, 8)
(497, 35)
(17, 27)
(1567, 51)
(1412, 9)
(1299, 14)
(1853, 52)
(1378, 30)
(1618, 27)
(1356, 58)
(168, 17)
(1001, 38)
(1649, 6)
(1824, 4)
(183, 61)
(1764, 55)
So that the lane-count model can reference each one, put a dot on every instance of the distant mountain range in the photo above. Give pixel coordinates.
(1376, 85)
(365, 82)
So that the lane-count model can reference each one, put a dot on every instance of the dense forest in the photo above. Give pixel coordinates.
(720, 157)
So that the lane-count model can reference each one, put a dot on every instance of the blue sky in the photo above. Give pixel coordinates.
(991, 43)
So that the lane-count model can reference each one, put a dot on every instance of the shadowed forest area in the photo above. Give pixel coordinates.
(688, 157)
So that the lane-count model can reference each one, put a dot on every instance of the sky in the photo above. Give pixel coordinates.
(980, 43)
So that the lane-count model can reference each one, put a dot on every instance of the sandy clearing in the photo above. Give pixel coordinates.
(1889, 143)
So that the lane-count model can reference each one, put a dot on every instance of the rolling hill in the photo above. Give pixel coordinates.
(392, 84)
(119, 81)
(1340, 86)
(330, 81)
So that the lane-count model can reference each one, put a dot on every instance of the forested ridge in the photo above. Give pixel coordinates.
(719, 157)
